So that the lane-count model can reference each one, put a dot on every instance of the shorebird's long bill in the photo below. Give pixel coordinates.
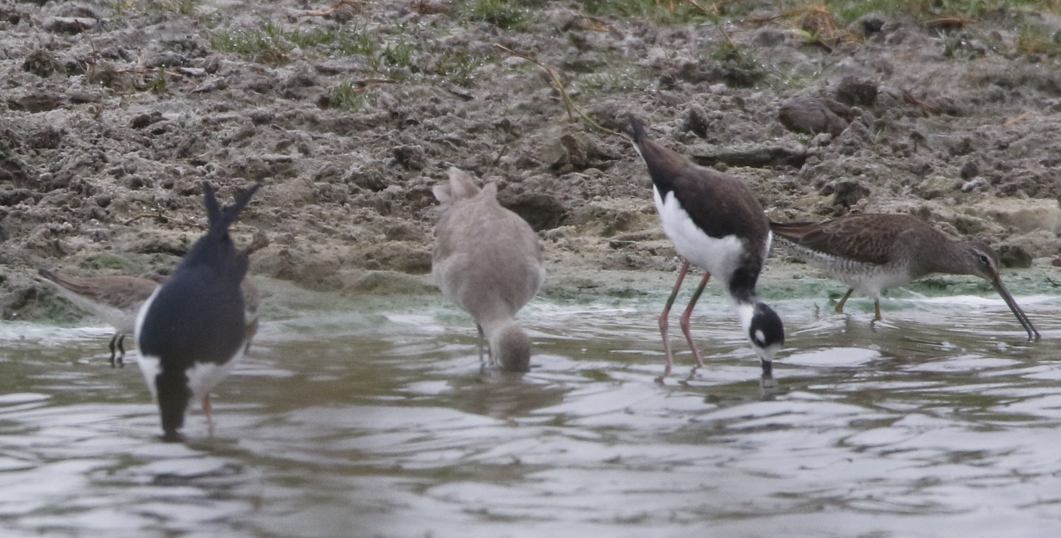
(1021, 316)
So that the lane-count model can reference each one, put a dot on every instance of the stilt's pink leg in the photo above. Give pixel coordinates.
(685, 320)
(664, 324)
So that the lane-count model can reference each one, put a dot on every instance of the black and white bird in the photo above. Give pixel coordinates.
(716, 223)
(192, 330)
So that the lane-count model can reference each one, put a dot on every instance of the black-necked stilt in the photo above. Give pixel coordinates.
(488, 261)
(114, 299)
(193, 329)
(715, 222)
(873, 252)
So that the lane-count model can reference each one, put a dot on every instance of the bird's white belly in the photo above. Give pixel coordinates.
(867, 278)
(204, 376)
(718, 256)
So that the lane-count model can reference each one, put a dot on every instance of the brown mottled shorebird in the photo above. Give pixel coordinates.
(117, 299)
(875, 252)
(715, 222)
(114, 299)
(488, 261)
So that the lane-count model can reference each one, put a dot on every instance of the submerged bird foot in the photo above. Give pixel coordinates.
(209, 420)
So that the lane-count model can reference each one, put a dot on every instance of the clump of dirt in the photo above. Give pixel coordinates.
(112, 114)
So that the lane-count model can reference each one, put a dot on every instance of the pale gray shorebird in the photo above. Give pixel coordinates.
(193, 329)
(117, 300)
(114, 299)
(716, 223)
(874, 252)
(488, 261)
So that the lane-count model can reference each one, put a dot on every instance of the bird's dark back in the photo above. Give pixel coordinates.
(196, 316)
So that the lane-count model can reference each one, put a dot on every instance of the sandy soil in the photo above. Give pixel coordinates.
(113, 113)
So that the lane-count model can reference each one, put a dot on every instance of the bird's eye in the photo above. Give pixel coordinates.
(985, 260)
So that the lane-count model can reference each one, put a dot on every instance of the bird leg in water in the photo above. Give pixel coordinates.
(482, 338)
(685, 320)
(209, 420)
(843, 300)
(113, 339)
(876, 308)
(663, 323)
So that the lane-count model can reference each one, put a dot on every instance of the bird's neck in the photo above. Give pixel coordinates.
(745, 311)
(947, 257)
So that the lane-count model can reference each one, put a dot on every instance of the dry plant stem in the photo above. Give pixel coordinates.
(925, 109)
(698, 6)
(949, 21)
(725, 34)
(139, 216)
(334, 8)
(258, 242)
(599, 25)
(366, 81)
(1017, 119)
(146, 70)
(568, 102)
(556, 80)
(499, 155)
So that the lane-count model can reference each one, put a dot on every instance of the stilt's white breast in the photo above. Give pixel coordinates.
(717, 255)
(150, 365)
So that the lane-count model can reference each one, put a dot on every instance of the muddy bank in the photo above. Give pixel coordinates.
(112, 114)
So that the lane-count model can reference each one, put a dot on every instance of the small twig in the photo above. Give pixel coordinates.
(331, 11)
(258, 242)
(556, 79)
(367, 81)
(146, 70)
(725, 34)
(139, 216)
(499, 155)
(599, 24)
(1018, 119)
(763, 20)
(698, 6)
(569, 104)
(928, 111)
(949, 22)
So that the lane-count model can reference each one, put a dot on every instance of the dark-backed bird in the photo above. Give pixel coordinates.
(114, 299)
(874, 252)
(716, 223)
(193, 329)
(488, 261)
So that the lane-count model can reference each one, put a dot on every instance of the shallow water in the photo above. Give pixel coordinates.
(941, 421)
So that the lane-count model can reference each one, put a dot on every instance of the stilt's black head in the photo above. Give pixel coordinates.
(766, 332)
(173, 396)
